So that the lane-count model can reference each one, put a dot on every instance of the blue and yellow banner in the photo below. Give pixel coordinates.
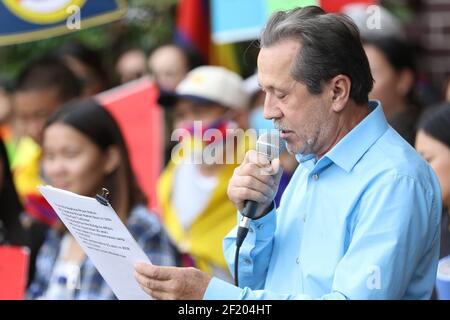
(29, 20)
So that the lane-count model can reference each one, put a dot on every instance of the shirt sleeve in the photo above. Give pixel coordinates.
(394, 236)
(255, 252)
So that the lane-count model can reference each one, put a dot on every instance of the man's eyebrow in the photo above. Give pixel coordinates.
(267, 88)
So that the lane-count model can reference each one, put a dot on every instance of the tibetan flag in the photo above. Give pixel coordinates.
(193, 31)
(192, 26)
(237, 20)
(29, 20)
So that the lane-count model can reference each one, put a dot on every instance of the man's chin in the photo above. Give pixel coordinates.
(292, 149)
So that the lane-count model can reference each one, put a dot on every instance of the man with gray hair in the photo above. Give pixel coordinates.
(359, 218)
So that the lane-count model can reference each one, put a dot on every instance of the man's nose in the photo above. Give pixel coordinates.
(271, 108)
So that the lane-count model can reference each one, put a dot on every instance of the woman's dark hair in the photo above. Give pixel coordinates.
(11, 229)
(400, 55)
(99, 126)
(436, 123)
(46, 72)
(89, 57)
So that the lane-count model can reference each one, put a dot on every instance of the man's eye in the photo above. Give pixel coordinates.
(47, 156)
(71, 154)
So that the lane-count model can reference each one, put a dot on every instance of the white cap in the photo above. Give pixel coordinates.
(251, 85)
(208, 84)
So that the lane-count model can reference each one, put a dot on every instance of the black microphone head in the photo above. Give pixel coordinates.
(270, 144)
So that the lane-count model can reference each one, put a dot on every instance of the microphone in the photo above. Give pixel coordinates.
(270, 146)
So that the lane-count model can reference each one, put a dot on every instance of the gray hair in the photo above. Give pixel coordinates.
(330, 45)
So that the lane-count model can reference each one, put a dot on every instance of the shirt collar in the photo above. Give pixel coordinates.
(347, 152)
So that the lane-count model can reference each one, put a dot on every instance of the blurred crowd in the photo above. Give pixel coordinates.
(53, 131)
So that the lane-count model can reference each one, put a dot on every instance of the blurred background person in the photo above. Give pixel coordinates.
(41, 88)
(87, 65)
(131, 65)
(5, 107)
(169, 64)
(433, 143)
(8, 131)
(447, 90)
(11, 229)
(192, 196)
(393, 69)
(83, 152)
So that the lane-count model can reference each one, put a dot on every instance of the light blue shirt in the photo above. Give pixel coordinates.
(362, 222)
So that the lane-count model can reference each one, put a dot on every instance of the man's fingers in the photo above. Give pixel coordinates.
(260, 173)
(257, 158)
(154, 272)
(277, 169)
(157, 289)
(249, 194)
(254, 184)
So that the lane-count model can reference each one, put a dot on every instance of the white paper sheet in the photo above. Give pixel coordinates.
(103, 237)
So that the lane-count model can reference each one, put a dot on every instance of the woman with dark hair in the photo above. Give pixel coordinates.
(83, 151)
(11, 230)
(87, 65)
(433, 143)
(393, 69)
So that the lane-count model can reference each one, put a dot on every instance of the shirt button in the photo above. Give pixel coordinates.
(297, 260)
(260, 226)
(315, 177)
(247, 261)
(304, 218)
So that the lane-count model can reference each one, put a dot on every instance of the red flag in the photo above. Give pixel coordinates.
(336, 5)
(13, 272)
(134, 106)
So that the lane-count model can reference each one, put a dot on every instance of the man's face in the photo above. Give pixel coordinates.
(305, 121)
(31, 110)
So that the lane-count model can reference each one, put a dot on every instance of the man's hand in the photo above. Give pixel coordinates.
(255, 179)
(171, 283)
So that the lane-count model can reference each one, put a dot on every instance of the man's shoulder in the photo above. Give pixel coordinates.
(393, 156)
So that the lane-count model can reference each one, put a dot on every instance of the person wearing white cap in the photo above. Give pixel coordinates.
(192, 196)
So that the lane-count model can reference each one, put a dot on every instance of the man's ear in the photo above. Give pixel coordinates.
(340, 87)
(112, 159)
